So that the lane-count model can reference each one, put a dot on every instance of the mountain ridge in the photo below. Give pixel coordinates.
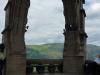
(55, 51)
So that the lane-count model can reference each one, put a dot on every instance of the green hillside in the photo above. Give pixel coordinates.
(45, 51)
(55, 51)
(92, 51)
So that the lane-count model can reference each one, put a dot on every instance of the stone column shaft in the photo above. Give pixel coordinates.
(16, 20)
(73, 56)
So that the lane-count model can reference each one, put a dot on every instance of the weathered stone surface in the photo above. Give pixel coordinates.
(13, 36)
(75, 37)
(74, 46)
(73, 64)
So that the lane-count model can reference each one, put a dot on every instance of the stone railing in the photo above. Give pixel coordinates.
(44, 66)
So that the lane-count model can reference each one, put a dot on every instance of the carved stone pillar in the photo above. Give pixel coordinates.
(13, 36)
(73, 54)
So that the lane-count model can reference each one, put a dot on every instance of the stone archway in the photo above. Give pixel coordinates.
(75, 36)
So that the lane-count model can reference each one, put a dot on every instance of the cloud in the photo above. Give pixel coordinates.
(2, 16)
(54, 19)
(46, 21)
(94, 9)
(92, 21)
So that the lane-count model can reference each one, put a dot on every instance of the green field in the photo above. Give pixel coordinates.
(45, 51)
(55, 51)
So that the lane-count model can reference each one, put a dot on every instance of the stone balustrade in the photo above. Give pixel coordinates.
(44, 68)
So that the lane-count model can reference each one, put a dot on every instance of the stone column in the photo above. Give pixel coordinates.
(13, 36)
(73, 56)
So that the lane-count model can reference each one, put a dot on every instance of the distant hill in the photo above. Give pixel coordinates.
(45, 51)
(92, 51)
(55, 51)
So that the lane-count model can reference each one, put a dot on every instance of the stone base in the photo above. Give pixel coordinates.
(16, 65)
(73, 65)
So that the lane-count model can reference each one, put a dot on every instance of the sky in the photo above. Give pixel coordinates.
(46, 21)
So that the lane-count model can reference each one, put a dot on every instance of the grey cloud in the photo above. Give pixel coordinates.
(95, 39)
(45, 17)
(48, 39)
(94, 14)
(54, 20)
(93, 23)
(98, 1)
(2, 16)
(46, 21)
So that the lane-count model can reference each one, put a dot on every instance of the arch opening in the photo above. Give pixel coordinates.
(46, 23)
